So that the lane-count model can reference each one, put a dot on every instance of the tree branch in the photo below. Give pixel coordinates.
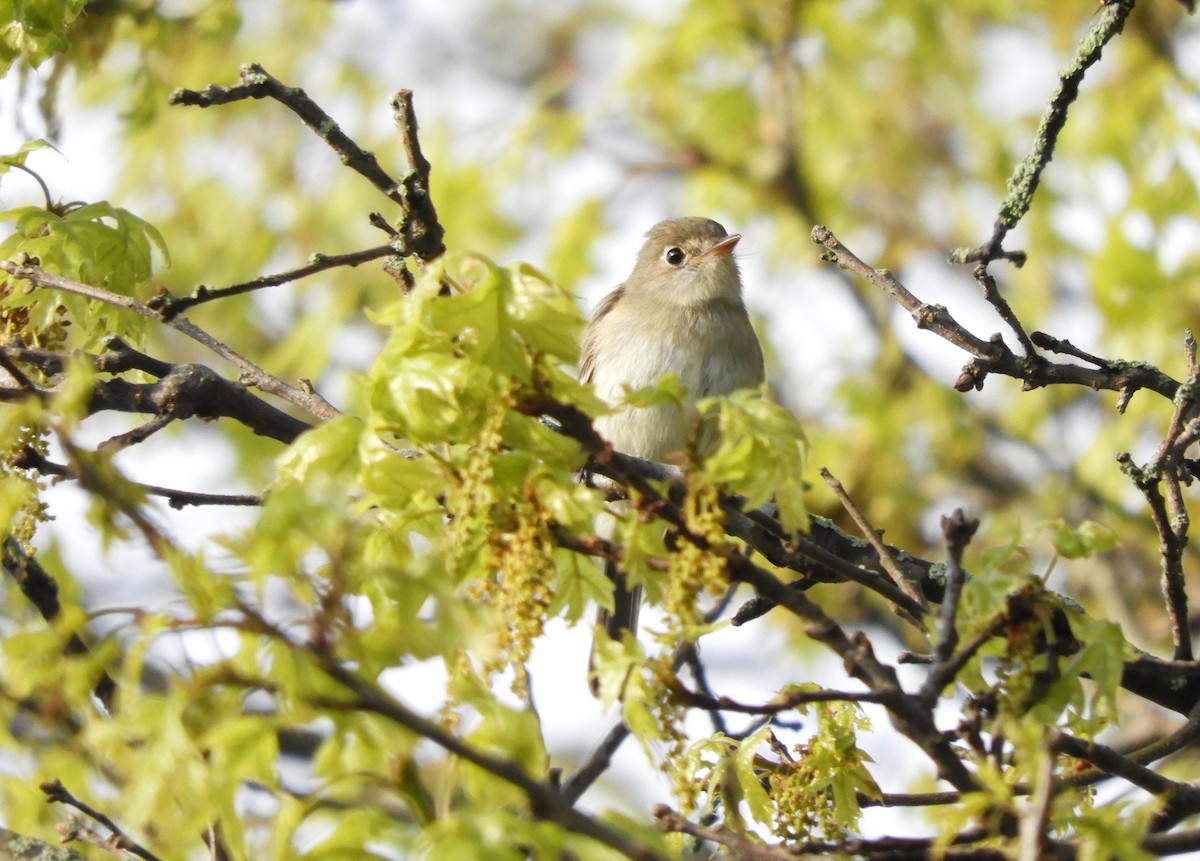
(545, 801)
(1110, 20)
(254, 82)
(27, 269)
(59, 794)
(171, 306)
(30, 458)
(992, 355)
(41, 590)
(420, 227)
(957, 532)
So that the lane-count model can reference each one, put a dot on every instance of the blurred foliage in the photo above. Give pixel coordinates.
(426, 523)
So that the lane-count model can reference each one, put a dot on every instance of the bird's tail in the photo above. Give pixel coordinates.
(627, 602)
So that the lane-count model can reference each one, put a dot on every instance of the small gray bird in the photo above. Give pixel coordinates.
(679, 312)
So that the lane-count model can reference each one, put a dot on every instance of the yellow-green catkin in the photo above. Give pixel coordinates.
(694, 570)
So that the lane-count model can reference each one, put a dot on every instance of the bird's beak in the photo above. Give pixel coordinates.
(725, 246)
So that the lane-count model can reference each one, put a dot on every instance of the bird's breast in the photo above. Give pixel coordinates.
(712, 351)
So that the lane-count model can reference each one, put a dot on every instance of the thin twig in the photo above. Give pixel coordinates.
(31, 458)
(886, 559)
(782, 703)
(1110, 20)
(996, 299)
(139, 434)
(172, 306)
(254, 82)
(946, 670)
(57, 793)
(957, 532)
(992, 355)
(596, 764)
(1064, 347)
(691, 660)
(251, 374)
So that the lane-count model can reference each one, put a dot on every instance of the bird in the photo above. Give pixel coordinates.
(680, 312)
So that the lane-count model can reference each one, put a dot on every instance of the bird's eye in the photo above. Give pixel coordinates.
(674, 256)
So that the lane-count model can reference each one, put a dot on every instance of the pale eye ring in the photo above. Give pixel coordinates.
(674, 256)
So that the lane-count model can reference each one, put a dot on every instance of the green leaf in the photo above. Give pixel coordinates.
(760, 453)
(1088, 539)
(35, 30)
(17, 159)
(750, 778)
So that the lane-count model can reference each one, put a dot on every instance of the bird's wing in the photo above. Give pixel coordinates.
(587, 365)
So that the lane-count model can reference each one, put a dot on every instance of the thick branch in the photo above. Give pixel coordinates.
(183, 392)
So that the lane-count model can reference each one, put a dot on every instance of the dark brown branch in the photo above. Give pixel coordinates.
(1111, 762)
(992, 355)
(27, 269)
(193, 391)
(957, 532)
(41, 590)
(254, 82)
(30, 458)
(171, 306)
(782, 703)
(181, 392)
(57, 793)
(420, 227)
(824, 554)
(1066, 348)
(1173, 844)
(596, 764)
